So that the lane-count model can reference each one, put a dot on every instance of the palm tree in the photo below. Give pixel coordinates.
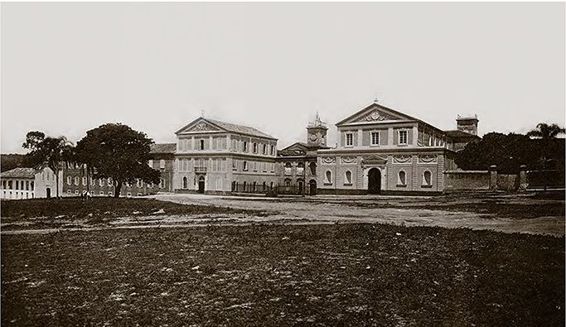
(546, 133)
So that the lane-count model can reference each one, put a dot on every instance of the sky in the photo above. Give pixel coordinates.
(69, 67)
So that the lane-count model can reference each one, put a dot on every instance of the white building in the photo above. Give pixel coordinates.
(218, 157)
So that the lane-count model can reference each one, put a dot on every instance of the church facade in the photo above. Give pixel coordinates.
(381, 150)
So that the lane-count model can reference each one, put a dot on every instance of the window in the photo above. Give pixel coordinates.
(139, 183)
(328, 177)
(3, 184)
(300, 168)
(185, 183)
(161, 183)
(264, 149)
(349, 139)
(403, 137)
(109, 181)
(17, 185)
(263, 189)
(255, 147)
(76, 180)
(10, 185)
(312, 166)
(27, 185)
(374, 138)
(288, 168)
(245, 146)
(162, 164)
(245, 166)
(234, 164)
(348, 179)
(84, 181)
(427, 179)
(31, 186)
(101, 182)
(245, 186)
(202, 144)
(69, 180)
(271, 147)
(402, 178)
(287, 182)
(150, 163)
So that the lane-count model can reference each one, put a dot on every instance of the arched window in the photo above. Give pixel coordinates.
(245, 165)
(427, 178)
(348, 179)
(84, 181)
(300, 184)
(312, 167)
(288, 168)
(185, 183)
(69, 180)
(287, 182)
(202, 144)
(402, 178)
(76, 180)
(328, 177)
(300, 168)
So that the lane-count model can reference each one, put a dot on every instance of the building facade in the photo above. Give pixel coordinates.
(381, 150)
(297, 164)
(18, 183)
(215, 157)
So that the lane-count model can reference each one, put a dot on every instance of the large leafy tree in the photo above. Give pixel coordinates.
(118, 152)
(48, 152)
(507, 152)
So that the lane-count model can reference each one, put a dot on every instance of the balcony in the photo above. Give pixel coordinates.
(201, 170)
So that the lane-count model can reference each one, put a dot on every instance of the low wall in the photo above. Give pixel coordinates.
(507, 182)
(458, 180)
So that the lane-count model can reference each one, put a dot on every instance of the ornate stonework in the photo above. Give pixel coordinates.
(374, 159)
(348, 160)
(202, 126)
(376, 115)
(428, 159)
(328, 160)
(402, 159)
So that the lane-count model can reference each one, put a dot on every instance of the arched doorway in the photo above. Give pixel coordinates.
(312, 187)
(185, 183)
(201, 184)
(374, 181)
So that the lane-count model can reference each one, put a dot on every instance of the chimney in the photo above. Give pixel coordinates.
(468, 124)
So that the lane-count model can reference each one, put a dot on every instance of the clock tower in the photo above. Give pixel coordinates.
(316, 132)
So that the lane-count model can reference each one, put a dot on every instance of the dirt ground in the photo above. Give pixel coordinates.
(527, 213)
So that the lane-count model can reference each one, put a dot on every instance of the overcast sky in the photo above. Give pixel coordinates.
(70, 67)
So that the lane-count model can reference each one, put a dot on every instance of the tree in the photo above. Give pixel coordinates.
(546, 134)
(507, 152)
(48, 152)
(116, 151)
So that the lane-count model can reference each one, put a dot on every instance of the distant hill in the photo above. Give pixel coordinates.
(11, 161)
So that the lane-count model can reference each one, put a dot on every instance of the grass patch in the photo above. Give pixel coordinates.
(98, 208)
(354, 274)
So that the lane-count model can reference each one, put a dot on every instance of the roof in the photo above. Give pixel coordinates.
(387, 110)
(19, 173)
(460, 134)
(234, 128)
(163, 148)
(298, 149)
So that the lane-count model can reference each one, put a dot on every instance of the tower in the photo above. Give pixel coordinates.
(316, 132)
(468, 124)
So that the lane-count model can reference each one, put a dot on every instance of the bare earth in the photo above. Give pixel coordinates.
(498, 212)
(467, 211)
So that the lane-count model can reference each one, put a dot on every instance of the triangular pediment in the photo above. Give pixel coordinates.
(200, 125)
(375, 113)
(296, 149)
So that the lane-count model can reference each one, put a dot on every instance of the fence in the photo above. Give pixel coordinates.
(295, 189)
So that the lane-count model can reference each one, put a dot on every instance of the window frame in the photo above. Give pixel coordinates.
(351, 135)
(371, 134)
(406, 132)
